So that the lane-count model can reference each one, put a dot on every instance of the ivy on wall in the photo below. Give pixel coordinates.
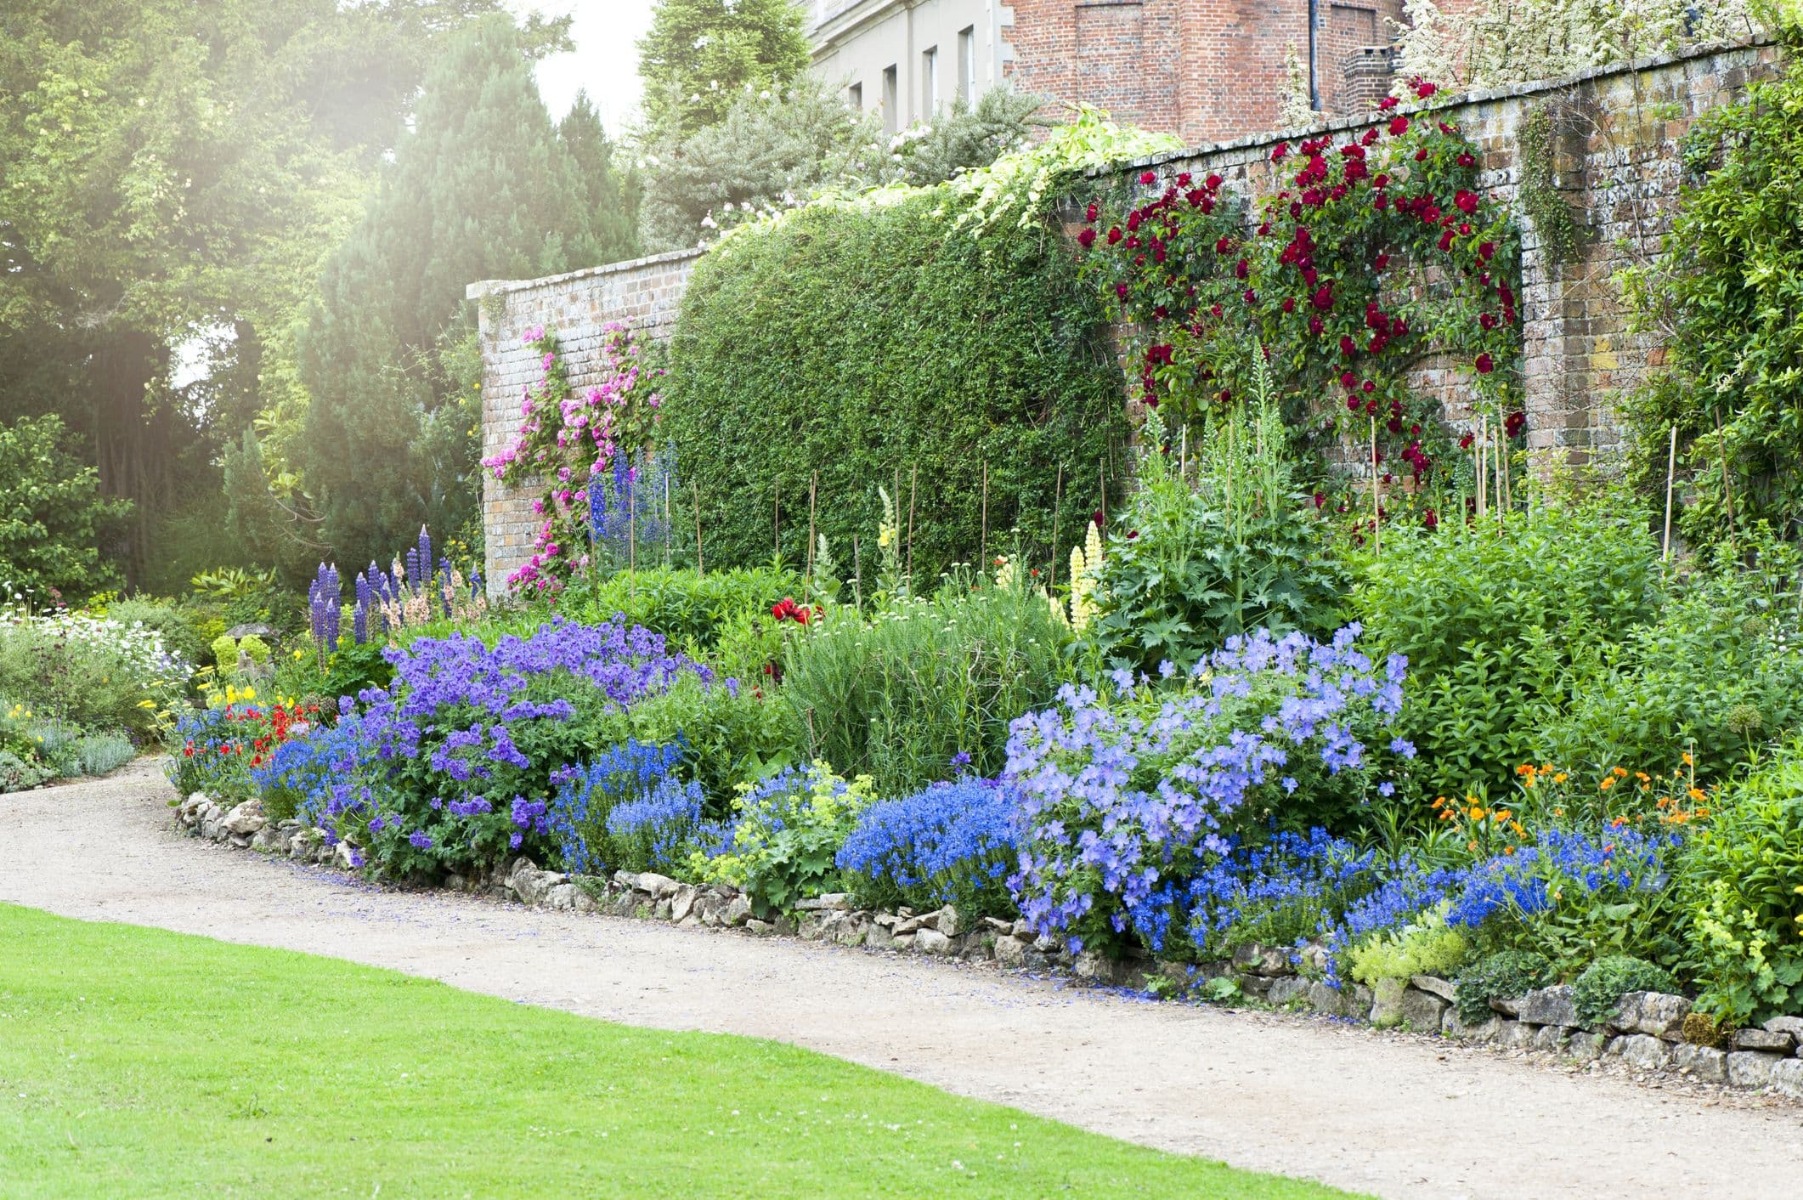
(878, 342)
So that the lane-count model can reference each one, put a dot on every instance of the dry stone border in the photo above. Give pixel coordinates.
(1647, 1035)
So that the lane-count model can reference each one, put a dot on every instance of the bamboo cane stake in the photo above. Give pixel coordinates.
(1671, 471)
(813, 489)
(1377, 512)
(985, 542)
(913, 489)
(1057, 503)
(776, 516)
(696, 489)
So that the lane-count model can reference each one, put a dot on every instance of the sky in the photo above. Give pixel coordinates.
(605, 62)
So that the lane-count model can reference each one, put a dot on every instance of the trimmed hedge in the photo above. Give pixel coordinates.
(865, 342)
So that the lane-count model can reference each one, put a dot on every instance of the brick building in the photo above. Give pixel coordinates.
(1205, 70)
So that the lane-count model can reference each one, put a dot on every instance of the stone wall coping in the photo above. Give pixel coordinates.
(484, 288)
(1476, 96)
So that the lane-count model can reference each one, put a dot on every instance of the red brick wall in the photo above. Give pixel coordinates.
(1206, 70)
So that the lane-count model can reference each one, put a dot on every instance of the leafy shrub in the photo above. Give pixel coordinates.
(1713, 675)
(1423, 947)
(1189, 567)
(1122, 801)
(689, 610)
(18, 773)
(871, 341)
(902, 695)
(450, 768)
(735, 733)
(1491, 619)
(785, 836)
(1742, 890)
(1500, 976)
(587, 796)
(950, 843)
(89, 671)
(1602, 984)
(52, 515)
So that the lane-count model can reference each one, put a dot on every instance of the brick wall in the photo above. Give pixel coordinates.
(1202, 69)
(1615, 162)
(643, 293)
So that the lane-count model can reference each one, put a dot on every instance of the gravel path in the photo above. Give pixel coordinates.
(1394, 1116)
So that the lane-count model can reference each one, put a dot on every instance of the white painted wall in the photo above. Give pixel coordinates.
(857, 41)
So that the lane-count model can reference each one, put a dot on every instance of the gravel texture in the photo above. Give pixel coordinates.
(1395, 1116)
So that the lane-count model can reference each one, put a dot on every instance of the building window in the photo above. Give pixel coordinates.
(967, 65)
(929, 83)
(854, 95)
(890, 124)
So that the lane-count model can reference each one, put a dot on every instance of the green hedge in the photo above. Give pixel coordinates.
(865, 342)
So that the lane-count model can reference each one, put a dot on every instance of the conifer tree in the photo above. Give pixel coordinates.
(611, 189)
(483, 188)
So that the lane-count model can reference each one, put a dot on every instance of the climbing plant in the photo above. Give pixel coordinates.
(1367, 257)
(1725, 295)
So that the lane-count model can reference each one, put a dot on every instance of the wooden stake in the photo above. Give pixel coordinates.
(1377, 511)
(857, 574)
(1057, 503)
(696, 488)
(985, 542)
(913, 488)
(667, 532)
(1727, 486)
(1671, 470)
(776, 516)
(813, 489)
(1483, 462)
(1102, 478)
(632, 528)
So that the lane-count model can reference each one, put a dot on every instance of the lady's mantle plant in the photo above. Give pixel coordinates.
(1365, 258)
(566, 443)
(1123, 801)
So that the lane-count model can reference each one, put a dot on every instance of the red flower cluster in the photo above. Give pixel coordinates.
(787, 610)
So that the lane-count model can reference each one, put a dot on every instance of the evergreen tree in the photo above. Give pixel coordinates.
(611, 192)
(701, 55)
(481, 189)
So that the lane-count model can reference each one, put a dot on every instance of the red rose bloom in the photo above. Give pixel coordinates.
(1114, 235)
(1485, 364)
(1323, 297)
(1347, 346)
(1466, 202)
(1485, 250)
(1213, 181)
(1399, 125)
(1087, 238)
(1149, 178)
(1289, 304)
(1091, 213)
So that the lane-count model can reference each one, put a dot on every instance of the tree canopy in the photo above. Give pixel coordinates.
(701, 55)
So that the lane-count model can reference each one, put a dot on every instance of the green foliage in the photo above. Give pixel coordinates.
(691, 611)
(1742, 888)
(1601, 985)
(1500, 976)
(481, 188)
(737, 734)
(1714, 675)
(699, 56)
(899, 695)
(1492, 618)
(87, 671)
(771, 150)
(786, 836)
(19, 773)
(875, 343)
(1422, 947)
(968, 137)
(1725, 293)
(1540, 197)
(52, 515)
(611, 187)
(1188, 567)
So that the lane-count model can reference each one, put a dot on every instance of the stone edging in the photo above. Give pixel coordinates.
(1645, 1036)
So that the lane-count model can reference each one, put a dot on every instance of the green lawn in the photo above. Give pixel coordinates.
(135, 1062)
